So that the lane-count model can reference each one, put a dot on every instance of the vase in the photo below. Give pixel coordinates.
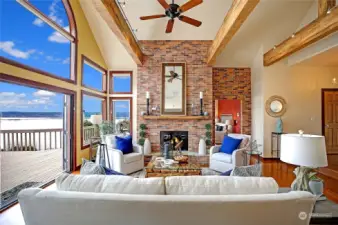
(316, 187)
(147, 147)
(202, 147)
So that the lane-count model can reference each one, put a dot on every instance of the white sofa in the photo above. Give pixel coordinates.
(196, 200)
(222, 162)
(128, 163)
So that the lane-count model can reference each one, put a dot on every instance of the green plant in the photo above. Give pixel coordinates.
(313, 176)
(107, 127)
(87, 123)
(142, 134)
(208, 134)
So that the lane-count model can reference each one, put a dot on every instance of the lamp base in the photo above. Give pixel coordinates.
(301, 183)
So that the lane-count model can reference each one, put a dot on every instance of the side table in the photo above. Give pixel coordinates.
(324, 212)
(251, 153)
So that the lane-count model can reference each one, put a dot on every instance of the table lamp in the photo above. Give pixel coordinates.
(306, 151)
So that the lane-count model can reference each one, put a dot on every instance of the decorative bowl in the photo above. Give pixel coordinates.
(181, 158)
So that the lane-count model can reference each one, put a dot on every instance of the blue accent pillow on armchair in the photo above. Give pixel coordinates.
(229, 144)
(125, 144)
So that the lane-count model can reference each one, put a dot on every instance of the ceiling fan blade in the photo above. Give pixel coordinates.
(170, 26)
(192, 3)
(164, 4)
(152, 17)
(190, 21)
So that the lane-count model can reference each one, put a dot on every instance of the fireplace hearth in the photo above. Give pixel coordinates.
(176, 138)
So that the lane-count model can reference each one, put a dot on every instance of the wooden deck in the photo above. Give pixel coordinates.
(18, 167)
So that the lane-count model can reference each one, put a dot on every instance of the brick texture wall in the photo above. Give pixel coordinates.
(199, 78)
(234, 83)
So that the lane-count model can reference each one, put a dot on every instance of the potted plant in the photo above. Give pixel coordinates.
(143, 141)
(315, 184)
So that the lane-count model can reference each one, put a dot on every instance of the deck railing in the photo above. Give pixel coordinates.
(89, 132)
(31, 140)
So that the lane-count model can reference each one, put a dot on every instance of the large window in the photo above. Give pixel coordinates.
(121, 114)
(121, 82)
(93, 75)
(39, 35)
(93, 113)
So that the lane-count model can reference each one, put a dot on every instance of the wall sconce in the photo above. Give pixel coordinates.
(334, 81)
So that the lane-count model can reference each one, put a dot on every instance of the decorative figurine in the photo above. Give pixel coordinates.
(279, 125)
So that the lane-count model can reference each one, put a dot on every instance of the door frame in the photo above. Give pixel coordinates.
(34, 84)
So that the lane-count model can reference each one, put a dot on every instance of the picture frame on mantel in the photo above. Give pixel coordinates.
(173, 94)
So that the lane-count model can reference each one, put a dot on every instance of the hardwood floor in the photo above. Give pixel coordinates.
(281, 172)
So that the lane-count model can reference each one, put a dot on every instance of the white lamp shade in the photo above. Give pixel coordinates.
(303, 150)
(96, 119)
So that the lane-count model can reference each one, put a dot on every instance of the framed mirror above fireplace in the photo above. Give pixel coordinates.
(173, 99)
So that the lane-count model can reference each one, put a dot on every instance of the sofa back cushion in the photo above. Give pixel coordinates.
(53, 207)
(219, 185)
(111, 184)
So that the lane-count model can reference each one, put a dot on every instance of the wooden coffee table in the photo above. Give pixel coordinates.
(184, 169)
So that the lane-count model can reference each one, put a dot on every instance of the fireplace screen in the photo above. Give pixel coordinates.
(178, 139)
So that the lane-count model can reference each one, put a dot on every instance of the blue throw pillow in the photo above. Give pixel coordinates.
(112, 172)
(226, 173)
(229, 145)
(125, 144)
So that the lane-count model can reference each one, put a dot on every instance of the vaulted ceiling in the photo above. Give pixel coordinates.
(211, 13)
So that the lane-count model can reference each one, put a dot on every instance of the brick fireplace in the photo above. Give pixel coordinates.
(199, 78)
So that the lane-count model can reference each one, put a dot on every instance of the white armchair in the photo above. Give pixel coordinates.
(223, 162)
(126, 164)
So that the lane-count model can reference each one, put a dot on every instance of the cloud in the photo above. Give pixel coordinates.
(11, 94)
(58, 38)
(8, 47)
(11, 99)
(20, 100)
(38, 22)
(53, 12)
(53, 59)
(66, 61)
(43, 93)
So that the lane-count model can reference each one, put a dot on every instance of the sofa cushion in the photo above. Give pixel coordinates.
(132, 157)
(125, 144)
(247, 171)
(229, 144)
(219, 185)
(244, 143)
(112, 172)
(110, 184)
(222, 157)
(90, 168)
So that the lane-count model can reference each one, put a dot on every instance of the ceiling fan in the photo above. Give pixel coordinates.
(174, 11)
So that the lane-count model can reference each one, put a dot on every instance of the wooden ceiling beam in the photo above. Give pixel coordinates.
(316, 30)
(236, 16)
(324, 6)
(110, 12)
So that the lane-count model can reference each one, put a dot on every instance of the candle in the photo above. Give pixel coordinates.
(147, 95)
(201, 95)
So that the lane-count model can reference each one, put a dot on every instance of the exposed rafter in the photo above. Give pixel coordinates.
(324, 6)
(110, 12)
(237, 14)
(316, 30)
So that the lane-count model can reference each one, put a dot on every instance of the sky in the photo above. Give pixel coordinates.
(27, 39)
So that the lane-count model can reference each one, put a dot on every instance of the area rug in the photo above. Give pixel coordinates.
(11, 195)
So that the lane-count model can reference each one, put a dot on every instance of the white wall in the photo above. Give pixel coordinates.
(301, 87)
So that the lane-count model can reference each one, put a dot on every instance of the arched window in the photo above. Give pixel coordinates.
(40, 36)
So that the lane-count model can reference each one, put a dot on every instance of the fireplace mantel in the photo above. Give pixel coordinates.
(176, 117)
